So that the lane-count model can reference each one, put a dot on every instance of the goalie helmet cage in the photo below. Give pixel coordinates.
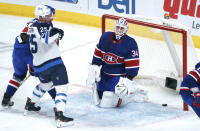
(163, 28)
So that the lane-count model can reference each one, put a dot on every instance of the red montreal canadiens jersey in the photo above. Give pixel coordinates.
(117, 57)
(190, 85)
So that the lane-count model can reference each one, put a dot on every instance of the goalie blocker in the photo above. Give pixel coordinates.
(172, 83)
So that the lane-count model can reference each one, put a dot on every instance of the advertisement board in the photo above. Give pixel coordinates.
(99, 7)
(186, 12)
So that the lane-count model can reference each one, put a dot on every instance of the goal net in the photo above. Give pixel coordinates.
(166, 48)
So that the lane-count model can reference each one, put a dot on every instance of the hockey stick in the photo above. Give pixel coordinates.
(25, 79)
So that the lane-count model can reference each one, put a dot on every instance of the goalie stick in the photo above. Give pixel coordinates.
(168, 81)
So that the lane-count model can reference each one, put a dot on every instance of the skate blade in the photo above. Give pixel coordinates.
(3, 108)
(61, 124)
(26, 112)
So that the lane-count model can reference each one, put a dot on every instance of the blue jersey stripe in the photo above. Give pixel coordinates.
(43, 91)
(48, 65)
(61, 94)
(62, 100)
(47, 37)
(36, 94)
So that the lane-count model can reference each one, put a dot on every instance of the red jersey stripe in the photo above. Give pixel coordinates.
(195, 75)
(98, 53)
(132, 63)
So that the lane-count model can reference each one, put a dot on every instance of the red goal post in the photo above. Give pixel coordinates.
(182, 31)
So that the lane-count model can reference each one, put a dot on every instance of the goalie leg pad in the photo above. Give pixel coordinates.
(109, 99)
(93, 75)
(95, 95)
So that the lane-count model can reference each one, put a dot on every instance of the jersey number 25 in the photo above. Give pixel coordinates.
(33, 44)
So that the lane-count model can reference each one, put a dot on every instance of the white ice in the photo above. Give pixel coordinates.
(77, 48)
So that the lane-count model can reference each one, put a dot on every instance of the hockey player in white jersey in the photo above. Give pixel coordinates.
(22, 61)
(48, 63)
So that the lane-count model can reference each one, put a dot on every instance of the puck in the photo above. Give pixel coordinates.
(164, 104)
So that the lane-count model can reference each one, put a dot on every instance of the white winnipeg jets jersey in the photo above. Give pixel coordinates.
(43, 46)
(45, 51)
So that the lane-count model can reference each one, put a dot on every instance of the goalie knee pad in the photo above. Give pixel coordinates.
(110, 99)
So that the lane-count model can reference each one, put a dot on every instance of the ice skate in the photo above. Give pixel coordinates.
(30, 106)
(61, 120)
(6, 102)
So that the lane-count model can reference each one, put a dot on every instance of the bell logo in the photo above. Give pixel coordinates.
(120, 6)
(184, 7)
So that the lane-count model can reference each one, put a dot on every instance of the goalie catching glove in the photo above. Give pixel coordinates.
(122, 88)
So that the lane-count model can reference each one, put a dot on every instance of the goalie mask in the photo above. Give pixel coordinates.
(121, 28)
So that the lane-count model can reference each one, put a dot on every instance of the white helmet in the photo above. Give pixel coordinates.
(121, 28)
(42, 10)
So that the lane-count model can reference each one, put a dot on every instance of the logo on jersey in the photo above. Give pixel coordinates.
(110, 58)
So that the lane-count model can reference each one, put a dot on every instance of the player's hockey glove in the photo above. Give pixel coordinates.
(61, 34)
(24, 37)
(55, 31)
